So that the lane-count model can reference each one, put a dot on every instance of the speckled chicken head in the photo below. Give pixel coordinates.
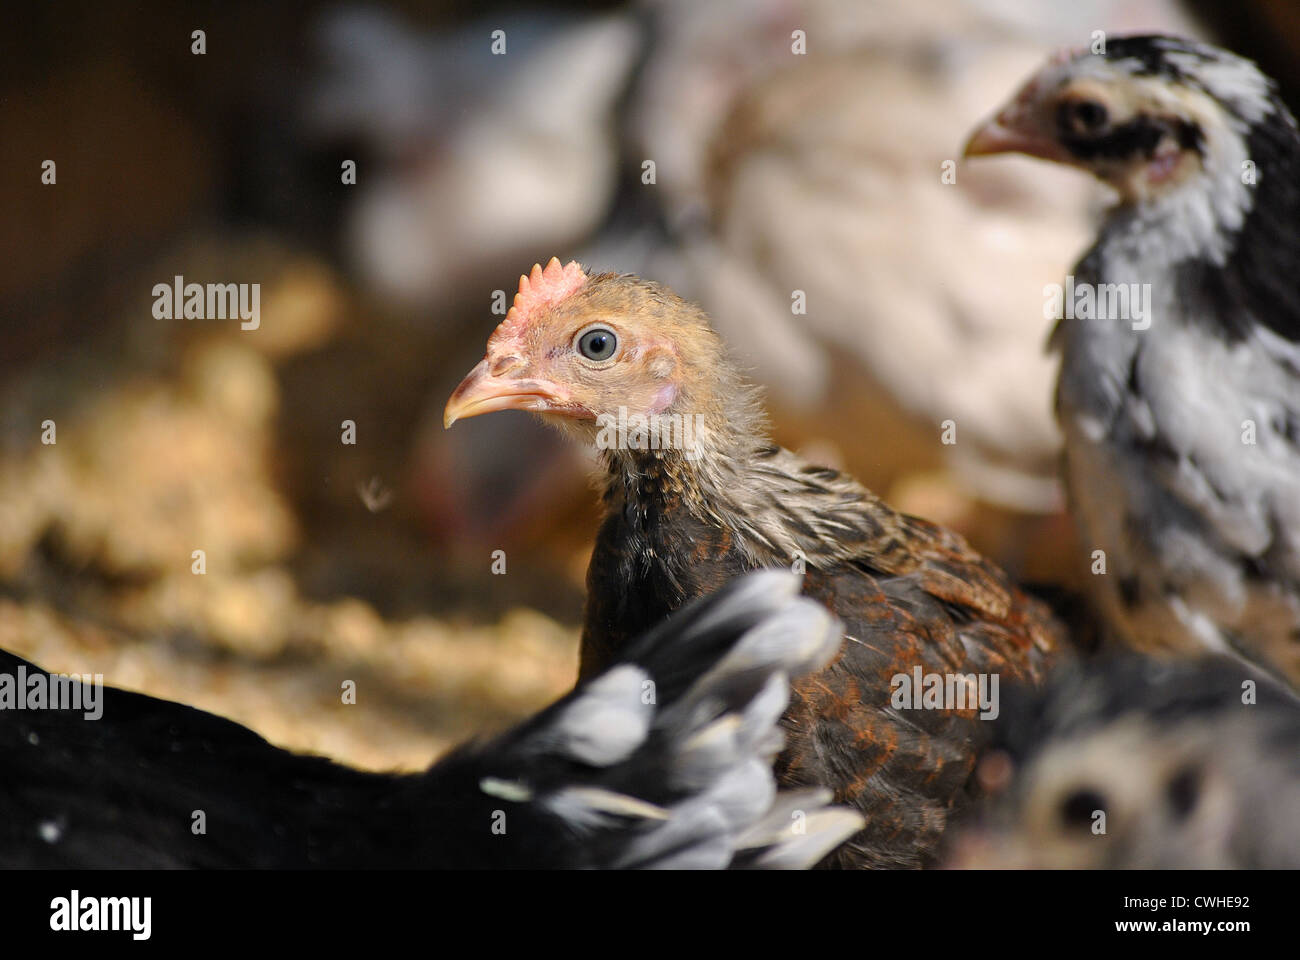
(1129, 795)
(1130, 763)
(1145, 116)
(575, 347)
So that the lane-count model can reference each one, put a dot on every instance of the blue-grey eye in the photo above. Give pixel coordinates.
(598, 344)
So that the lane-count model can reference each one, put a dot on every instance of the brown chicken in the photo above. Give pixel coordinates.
(695, 494)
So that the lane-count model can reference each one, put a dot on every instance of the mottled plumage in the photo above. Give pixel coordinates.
(682, 520)
(1135, 763)
(663, 760)
(1182, 428)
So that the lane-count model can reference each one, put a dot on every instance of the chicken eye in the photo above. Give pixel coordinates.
(1077, 809)
(598, 344)
(1082, 116)
(1184, 791)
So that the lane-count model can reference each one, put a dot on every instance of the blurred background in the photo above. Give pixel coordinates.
(325, 562)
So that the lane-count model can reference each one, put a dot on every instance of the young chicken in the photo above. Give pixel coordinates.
(662, 761)
(1181, 414)
(702, 495)
(1143, 764)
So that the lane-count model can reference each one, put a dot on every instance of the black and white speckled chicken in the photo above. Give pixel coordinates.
(1137, 763)
(1180, 400)
(664, 760)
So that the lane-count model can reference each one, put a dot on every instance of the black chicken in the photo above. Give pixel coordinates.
(663, 760)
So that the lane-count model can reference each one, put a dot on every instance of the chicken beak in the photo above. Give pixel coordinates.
(483, 392)
(991, 137)
(1015, 130)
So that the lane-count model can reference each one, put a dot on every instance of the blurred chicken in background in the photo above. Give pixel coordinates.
(484, 156)
(1135, 764)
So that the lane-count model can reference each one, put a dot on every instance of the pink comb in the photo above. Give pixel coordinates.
(541, 288)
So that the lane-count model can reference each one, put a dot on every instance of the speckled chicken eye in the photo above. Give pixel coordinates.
(598, 344)
(1078, 808)
(1183, 791)
(1082, 116)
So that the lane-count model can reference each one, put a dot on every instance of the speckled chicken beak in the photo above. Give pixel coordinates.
(998, 136)
(489, 387)
(1015, 130)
